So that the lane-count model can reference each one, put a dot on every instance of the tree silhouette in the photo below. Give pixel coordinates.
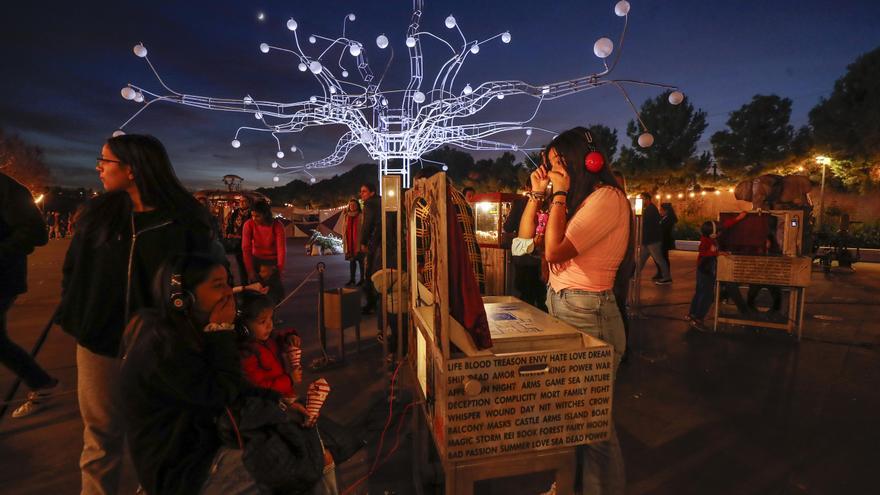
(759, 136)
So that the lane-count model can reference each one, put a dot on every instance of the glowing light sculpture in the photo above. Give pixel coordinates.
(426, 118)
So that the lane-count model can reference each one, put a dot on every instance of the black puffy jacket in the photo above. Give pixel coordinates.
(21, 229)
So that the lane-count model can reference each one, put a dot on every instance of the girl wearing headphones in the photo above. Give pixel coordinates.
(587, 243)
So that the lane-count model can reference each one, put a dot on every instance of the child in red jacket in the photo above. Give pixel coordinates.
(269, 359)
(706, 264)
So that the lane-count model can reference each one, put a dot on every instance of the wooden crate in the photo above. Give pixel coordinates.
(495, 270)
(789, 271)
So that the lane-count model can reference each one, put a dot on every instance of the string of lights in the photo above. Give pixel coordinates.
(397, 125)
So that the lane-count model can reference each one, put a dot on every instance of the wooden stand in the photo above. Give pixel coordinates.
(520, 407)
(790, 273)
(342, 309)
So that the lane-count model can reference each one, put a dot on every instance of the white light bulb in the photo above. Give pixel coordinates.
(316, 67)
(248, 100)
(313, 40)
(139, 97)
(418, 97)
(450, 22)
(261, 16)
(344, 73)
(410, 41)
(676, 97)
(382, 41)
(468, 89)
(445, 168)
(603, 47)
(291, 24)
(505, 37)
(351, 17)
(313, 99)
(118, 132)
(621, 8)
(475, 49)
(528, 132)
(236, 143)
(280, 154)
(366, 136)
(354, 49)
(545, 90)
(332, 90)
(264, 47)
(302, 67)
(128, 93)
(275, 179)
(500, 97)
(312, 180)
(258, 116)
(140, 50)
(293, 149)
(274, 164)
(646, 140)
(384, 102)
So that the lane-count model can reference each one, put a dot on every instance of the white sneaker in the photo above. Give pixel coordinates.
(36, 400)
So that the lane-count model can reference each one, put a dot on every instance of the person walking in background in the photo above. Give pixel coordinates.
(350, 242)
(21, 230)
(370, 240)
(652, 239)
(668, 219)
(215, 223)
(123, 237)
(232, 241)
(265, 250)
(50, 224)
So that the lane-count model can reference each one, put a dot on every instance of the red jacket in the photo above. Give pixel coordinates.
(264, 242)
(708, 245)
(263, 366)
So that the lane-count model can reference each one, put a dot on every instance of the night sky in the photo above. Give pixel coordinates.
(64, 64)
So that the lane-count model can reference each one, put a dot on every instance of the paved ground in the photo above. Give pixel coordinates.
(737, 412)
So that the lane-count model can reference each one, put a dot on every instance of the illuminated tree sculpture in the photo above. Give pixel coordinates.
(397, 124)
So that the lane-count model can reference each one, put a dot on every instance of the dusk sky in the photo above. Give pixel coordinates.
(64, 64)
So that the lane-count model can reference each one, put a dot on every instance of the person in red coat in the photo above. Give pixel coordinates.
(264, 250)
(350, 241)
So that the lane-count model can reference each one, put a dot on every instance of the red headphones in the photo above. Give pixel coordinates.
(594, 161)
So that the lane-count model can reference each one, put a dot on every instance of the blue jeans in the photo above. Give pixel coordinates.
(597, 315)
(704, 295)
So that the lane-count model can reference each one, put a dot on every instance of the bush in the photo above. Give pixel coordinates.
(686, 230)
(867, 234)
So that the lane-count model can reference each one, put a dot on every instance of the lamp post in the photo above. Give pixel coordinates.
(824, 161)
(636, 282)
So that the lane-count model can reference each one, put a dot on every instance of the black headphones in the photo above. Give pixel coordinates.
(181, 300)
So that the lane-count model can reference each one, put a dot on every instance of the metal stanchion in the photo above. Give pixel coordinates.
(326, 360)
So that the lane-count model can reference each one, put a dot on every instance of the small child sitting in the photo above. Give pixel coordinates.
(706, 266)
(267, 359)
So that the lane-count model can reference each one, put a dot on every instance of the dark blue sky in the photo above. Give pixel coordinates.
(65, 62)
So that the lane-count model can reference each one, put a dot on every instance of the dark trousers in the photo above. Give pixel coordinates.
(242, 271)
(704, 295)
(527, 281)
(15, 358)
(665, 257)
(372, 264)
(353, 264)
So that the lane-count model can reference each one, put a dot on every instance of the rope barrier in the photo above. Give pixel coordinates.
(298, 287)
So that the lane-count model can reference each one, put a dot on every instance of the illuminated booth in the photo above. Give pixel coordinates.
(517, 407)
(490, 212)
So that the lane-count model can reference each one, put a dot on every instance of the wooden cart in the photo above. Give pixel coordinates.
(519, 407)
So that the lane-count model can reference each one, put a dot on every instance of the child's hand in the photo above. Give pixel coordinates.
(257, 287)
(223, 311)
(297, 375)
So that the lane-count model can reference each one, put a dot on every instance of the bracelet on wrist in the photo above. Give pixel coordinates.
(218, 327)
(536, 195)
(559, 193)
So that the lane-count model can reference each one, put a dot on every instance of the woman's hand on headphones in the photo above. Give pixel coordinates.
(539, 179)
(560, 179)
(223, 311)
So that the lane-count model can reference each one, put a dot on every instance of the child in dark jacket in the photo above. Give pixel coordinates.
(707, 258)
(273, 360)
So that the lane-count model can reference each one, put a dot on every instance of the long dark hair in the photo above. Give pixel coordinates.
(193, 269)
(572, 146)
(262, 209)
(107, 216)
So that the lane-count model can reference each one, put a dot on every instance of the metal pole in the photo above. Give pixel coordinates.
(821, 198)
(636, 292)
